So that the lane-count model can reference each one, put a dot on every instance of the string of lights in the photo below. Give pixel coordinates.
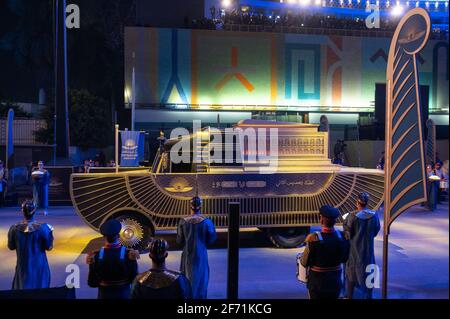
(437, 5)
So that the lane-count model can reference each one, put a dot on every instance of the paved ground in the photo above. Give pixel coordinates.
(419, 257)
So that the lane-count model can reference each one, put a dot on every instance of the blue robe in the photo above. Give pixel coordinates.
(30, 241)
(194, 233)
(40, 188)
(433, 193)
(363, 227)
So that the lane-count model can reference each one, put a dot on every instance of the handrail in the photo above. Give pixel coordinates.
(265, 107)
(318, 30)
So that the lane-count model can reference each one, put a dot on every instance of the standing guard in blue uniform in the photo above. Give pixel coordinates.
(41, 180)
(195, 233)
(114, 267)
(31, 240)
(432, 188)
(362, 226)
(324, 253)
(160, 282)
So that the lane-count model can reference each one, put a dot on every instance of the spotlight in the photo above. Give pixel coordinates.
(427, 4)
(318, 2)
(397, 10)
(407, 3)
(436, 4)
(305, 2)
(226, 3)
(387, 4)
(292, 1)
(417, 4)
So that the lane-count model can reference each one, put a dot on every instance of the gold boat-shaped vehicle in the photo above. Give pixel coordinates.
(281, 195)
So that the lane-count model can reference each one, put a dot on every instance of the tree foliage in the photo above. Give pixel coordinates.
(18, 111)
(89, 121)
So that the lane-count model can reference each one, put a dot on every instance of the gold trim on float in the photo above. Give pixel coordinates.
(401, 100)
(402, 137)
(400, 72)
(402, 173)
(403, 116)
(163, 197)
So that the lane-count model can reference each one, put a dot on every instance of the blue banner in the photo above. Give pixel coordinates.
(132, 150)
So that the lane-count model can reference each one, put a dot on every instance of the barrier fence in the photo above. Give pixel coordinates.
(23, 132)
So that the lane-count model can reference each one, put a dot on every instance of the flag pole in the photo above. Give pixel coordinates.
(387, 189)
(133, 94)
(385, 266)
(116, 134)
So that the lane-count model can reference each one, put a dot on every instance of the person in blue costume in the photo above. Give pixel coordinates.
(194, 233)
(432, 188)
(362, 226)
(41, 180)
(31, 240)
(160, 282)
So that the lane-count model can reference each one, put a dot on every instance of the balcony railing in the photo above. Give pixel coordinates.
(322, 31)
(23, 131)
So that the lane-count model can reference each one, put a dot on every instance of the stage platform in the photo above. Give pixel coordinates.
(419, 257)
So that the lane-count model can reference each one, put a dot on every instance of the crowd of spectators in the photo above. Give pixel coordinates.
(98, 161)
(315, 20)
(219, 21)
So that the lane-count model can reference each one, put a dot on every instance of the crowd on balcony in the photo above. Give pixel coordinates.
(275, 22)
(286, 20)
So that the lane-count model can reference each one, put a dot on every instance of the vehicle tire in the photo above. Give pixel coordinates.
(287, 237)
(136, 231)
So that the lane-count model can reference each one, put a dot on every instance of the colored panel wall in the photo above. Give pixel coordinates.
(221, 69)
